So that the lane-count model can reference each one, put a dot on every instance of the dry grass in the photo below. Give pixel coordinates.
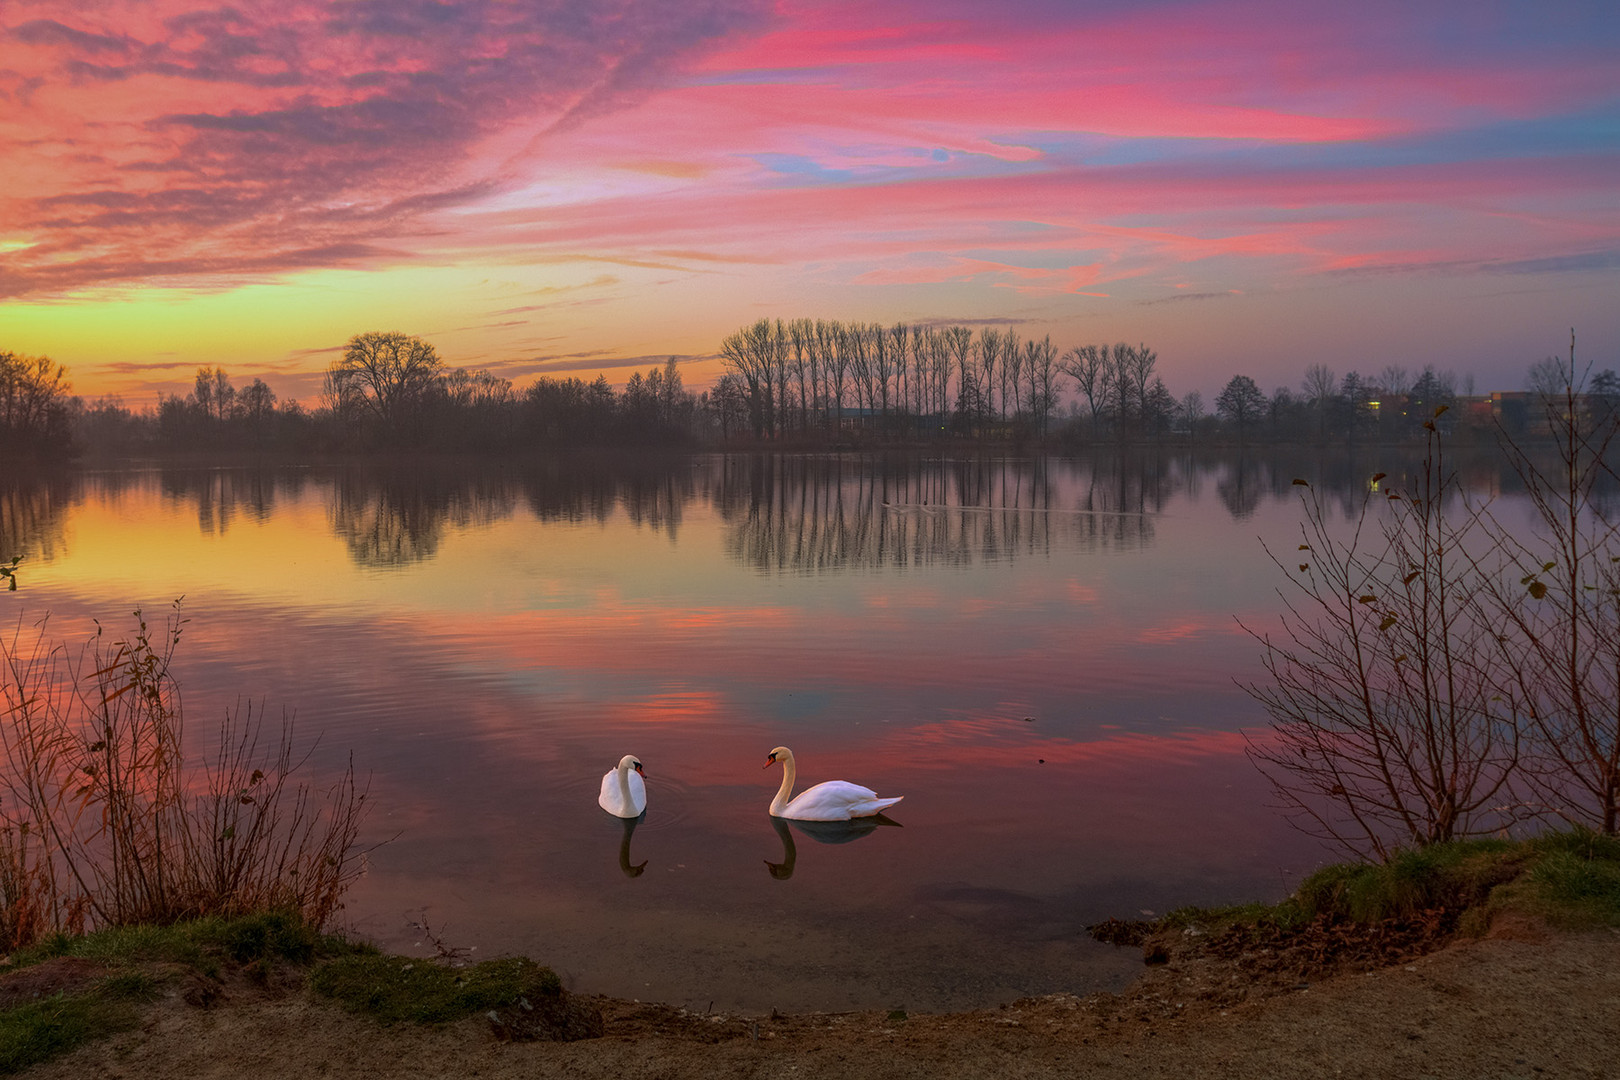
(105, 821)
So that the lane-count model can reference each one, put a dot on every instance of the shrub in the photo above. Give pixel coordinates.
(108, 823)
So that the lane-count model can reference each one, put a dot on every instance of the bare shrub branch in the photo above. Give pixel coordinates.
(1387, 727)
(104, 821)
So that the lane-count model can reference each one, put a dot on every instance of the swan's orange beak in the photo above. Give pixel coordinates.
(769, 762)
(640, 770)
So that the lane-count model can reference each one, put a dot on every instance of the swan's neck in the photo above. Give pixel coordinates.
(785, 792)
(624, 786)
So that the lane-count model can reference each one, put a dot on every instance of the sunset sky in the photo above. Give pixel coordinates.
(571, 187)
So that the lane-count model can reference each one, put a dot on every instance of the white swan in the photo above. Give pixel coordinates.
(832, 800)
(624, 792)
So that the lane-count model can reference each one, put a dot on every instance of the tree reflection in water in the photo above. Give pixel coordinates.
(804, 513)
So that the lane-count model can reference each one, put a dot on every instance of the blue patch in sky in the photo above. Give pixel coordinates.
(1560, 264)
(802, 168)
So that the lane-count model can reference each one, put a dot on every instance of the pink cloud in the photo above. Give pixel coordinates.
(1063, 154)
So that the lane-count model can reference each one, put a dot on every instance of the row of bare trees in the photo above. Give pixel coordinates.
(1440, 673)
(802, 374)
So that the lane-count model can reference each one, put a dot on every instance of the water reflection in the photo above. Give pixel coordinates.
(817, 513)
(399, 518)
(624, 847)
(781, 512)
(653, 492)
(822, 832)
(223, 495)
(33, 515)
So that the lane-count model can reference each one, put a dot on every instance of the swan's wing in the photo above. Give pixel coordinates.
(611, 801)
(869, 807)
(835, 800)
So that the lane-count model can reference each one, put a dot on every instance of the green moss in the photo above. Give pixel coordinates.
(1569, 878)
(1452, 876)
(201, 943)
(41, 1030)
(396, 988)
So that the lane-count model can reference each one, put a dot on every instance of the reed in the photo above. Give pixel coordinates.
(107, 820)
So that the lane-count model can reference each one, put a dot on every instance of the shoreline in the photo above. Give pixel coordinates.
(1522, 1001)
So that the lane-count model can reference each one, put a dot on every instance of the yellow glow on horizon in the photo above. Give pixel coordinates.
(154, 339)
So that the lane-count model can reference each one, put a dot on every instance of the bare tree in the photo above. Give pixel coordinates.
(257, 402)
(1549, 379)
(1012, 373)
(1139, 363)
(859, 340)
(1562, 604)
(1085, 366)
(385, 373)
(1240, 402)
(1192, 411)
(802, 336)
(1040, 363)
(834, 341)
(990, 349)
(214, 393)
(1320, 386)
(1119, 386)
(1395, 379)
(34, 395)
(757, 355)
(1387, 725)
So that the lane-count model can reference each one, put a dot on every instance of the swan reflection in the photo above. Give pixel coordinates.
(624, 847)
(823, 832)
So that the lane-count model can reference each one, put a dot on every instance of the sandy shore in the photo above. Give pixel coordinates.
(1521, 1003)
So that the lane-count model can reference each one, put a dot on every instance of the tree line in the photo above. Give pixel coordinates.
(804, 379)
(392, 391)
(797, 382)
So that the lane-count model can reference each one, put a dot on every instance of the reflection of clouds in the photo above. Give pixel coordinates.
(964, 744)
(1185, 630)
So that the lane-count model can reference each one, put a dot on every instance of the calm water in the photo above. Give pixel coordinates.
(1039, 655)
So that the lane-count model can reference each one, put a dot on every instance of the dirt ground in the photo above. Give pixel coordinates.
(1522, 1002)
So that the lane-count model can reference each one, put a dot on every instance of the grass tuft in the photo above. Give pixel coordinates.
(200, 943)
(396, 988)
(41, 1030)
(1570, 879)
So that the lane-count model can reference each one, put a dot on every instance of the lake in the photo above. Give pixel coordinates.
(1041, 655)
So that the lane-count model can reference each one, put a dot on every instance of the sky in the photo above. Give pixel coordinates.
(584, 187)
